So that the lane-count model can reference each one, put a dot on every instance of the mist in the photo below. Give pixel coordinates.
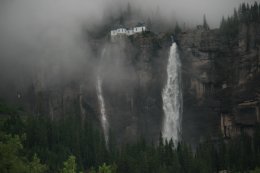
(45, 39)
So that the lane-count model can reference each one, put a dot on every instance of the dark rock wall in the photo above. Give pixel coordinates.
(198, 49)
(133, 73)
(218, 75)
(135, 108)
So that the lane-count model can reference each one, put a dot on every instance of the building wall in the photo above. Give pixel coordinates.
(113, 32)
(139, 29)
(121, 31)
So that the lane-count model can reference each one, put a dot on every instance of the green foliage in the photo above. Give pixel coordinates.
(35, 165)
(69, 166)
(5, 109)
(229, 27)
(10, 159)
(244, 15)
(257, 170)
(92, 170)
(107, 168)
(69, 138)
(55, 142)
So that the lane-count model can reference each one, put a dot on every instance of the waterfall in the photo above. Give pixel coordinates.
(82, 109)
(103, 118)
(103, 115)
(172, 98)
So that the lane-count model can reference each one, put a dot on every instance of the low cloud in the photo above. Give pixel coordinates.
(46, 37)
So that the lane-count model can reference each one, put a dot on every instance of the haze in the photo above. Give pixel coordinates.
(47, 36)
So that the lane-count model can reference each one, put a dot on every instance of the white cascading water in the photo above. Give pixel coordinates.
(103, 118)
(103, 115)
(172, 97)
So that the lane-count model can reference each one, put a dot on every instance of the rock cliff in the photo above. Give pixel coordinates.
(220, 76)
(221, 85)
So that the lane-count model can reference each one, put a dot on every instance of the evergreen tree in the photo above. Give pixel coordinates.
(259, 12)
(69, 166)
(255, 13)
(177, 29)
(235, 17)
(243, 13)
(205, 23)
(107, 168)
(35, 166)
(10, 160)
(149, 24)
(222, 24)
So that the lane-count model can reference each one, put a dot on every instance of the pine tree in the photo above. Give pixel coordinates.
(105, 169)
(177, 29)
(243, 13)
(259, 12)
(222, 23)
(35, 166)
(149, 24)
(205, 23)
(235, 17)
(10, 160)
(70, 166)
(255, 12)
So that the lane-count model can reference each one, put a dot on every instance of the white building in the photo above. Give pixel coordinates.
(139, 28)
(113, 32)
(123, 31)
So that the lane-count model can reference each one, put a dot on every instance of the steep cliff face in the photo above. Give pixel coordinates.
(135, 104)
(132, 71)
(220, 85)
(198, 49)
(244, 91)
(219, 76)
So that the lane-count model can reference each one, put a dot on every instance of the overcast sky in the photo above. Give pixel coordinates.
(49, 32)
(191, 11)
(41, 11)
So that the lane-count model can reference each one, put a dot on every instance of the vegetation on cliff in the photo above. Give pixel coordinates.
(37, 144)
(245, 14)
(69, 146)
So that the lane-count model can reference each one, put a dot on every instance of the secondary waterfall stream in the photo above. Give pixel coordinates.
(103, 118)
(101, 101)
(172, 97)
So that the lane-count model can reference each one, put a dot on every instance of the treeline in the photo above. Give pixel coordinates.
(55, 141)
(38, 145)
(244, 14)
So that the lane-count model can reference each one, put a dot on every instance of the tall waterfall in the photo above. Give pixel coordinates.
(103, 117)
(101, 101)
(172, 97)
